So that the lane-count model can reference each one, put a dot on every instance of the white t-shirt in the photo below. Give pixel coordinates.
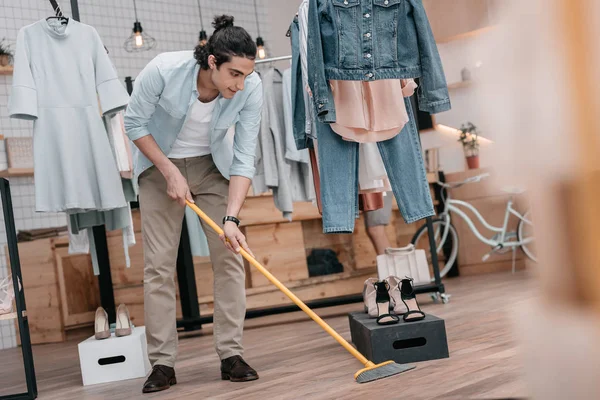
(194, 138)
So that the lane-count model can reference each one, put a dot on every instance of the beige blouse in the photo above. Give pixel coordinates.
(370, 111)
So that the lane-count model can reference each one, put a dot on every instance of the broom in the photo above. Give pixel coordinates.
(371, 371)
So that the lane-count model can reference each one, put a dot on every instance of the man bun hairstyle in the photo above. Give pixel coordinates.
(226, 41)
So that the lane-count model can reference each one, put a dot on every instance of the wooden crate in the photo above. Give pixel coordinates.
(42, 294)
(340, 243)
(133, 298)
(315, 288)
(80, 294)
(280, 249)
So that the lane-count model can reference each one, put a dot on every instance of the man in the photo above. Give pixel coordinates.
(180, 111)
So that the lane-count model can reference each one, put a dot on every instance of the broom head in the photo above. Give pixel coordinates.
(378, 371)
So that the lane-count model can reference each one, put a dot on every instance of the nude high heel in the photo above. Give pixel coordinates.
(123, 322)
(101, 327)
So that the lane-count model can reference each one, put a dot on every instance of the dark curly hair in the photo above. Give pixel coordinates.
(226, 41)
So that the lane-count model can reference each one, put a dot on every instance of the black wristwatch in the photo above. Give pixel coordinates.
(232, 219)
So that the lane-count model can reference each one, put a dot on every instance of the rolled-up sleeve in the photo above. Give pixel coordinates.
(246, 135)
(147, 90)
(23, 102)
(111, 92)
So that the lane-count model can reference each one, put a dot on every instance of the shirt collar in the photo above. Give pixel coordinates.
(195, 80)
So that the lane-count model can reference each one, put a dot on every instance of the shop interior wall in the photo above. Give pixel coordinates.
(173, 23)
(462, 29)
(456, 55)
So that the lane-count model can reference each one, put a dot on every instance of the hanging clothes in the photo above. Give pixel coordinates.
(302, 187)
(368, 40)
(274, 171)
(303, 48)
(372, 176)
(371, 111)
(366, 201)
(60, 73)
(120, 144)
(338, 166)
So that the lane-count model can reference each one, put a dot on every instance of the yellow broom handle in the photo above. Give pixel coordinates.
(285, 290)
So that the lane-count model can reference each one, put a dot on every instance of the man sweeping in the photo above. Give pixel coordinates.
(180, 111)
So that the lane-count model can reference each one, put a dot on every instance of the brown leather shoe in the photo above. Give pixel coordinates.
(161, 378)
(235, 369)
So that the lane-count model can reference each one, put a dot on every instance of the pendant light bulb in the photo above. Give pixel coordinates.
(139, 40)
(137, 33)
(260, 48)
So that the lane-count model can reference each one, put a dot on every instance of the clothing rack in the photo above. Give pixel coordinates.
(273, 59)
(437, 288)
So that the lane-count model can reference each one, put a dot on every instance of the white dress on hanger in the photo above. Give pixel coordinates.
(62, 75)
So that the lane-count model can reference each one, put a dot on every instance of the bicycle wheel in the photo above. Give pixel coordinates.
(421, 241)
(525, 231)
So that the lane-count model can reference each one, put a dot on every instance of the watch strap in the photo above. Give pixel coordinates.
(232, 219)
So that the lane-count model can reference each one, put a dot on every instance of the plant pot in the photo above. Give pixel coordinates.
(473, 162)
(4, 60)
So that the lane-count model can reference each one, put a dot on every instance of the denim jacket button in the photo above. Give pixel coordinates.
(368, 34)
(368, 55)
(346, 2)
(386, 2)
(367, 15)
(320, 105)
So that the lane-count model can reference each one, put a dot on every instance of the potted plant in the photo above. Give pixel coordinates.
(469, 137)
(6, 54)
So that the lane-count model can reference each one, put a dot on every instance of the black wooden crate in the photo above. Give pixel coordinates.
(403, 342)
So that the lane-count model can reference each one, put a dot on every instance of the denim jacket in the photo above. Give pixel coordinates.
(373, 39)
(163, 95)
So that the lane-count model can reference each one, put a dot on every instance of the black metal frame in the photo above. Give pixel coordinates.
(15, 266)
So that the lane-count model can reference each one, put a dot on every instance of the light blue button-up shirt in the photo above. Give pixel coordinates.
(162, 98)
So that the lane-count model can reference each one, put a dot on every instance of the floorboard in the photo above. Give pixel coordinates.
(297, 360)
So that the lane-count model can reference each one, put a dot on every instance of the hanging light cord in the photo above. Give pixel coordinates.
(135, 11)
(256, 15)
(201, 20)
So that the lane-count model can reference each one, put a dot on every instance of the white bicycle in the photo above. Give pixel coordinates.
(446, 237)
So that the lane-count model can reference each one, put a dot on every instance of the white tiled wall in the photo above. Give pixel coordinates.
(173, 23)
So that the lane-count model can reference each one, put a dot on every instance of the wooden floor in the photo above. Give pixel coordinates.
(297, 360)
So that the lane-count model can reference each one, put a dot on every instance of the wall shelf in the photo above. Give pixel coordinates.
(8, 70)
(467, 35)
(16, 172)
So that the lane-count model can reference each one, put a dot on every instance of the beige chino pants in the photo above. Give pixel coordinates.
(162, 220)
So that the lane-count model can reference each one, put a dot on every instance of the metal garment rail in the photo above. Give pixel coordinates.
(273, 59)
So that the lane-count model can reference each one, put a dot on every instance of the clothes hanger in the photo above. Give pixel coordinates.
(59, 14)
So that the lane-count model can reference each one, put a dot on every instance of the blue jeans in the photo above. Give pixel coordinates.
(338, 165)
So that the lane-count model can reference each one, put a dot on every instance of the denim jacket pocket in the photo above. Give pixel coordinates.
(347, 18)
(386, 14)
